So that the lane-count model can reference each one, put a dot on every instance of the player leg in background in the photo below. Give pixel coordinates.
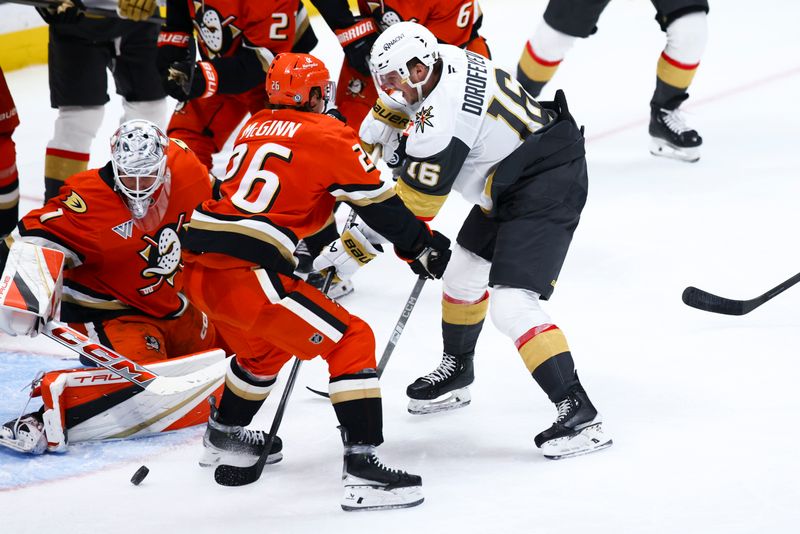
(136, 76)
(272, 317)
(684, 22)
(78, 55)
(9, 177)
(563, 22)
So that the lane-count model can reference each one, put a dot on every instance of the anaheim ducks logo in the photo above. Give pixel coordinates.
(163, 256)
(75, 203)
(355, 87)
(216, 34)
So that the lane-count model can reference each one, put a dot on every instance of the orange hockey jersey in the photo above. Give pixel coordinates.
(113, 267)
(454, 22)
(287, 170)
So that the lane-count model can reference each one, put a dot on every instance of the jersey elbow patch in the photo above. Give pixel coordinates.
(423, 205)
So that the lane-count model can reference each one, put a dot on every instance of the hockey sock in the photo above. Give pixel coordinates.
(546, 354)
(243, 395)
(541, 57)
(677, 65)
(68, 151)
(462, 322)
(356, 399)
(9, 185)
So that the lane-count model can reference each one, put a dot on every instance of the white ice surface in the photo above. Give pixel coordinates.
(701, 407)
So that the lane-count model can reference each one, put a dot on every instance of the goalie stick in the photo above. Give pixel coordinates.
(398, 329)
(229, 475)
(122, 366)
(703, 300)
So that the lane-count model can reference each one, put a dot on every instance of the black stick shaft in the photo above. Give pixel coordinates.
(109, 13)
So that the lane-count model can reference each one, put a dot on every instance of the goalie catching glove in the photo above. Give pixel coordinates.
(347, 254)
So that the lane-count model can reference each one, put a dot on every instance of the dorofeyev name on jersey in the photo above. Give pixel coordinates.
(475, 88)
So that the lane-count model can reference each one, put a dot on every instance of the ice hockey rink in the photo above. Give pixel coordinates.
(702, 407)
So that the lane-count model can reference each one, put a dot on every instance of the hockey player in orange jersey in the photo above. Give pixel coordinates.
(237, 41)
(9, 177)
(239, 267)
(454, 22)
(118, 228)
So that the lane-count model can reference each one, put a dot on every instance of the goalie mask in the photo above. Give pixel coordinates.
(139, 160)
(393, 53)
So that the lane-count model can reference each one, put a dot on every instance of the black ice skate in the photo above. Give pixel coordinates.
(236, 445)
(338, 289)
(671, 138)
(443, 389)
(577, 430)
(25, 434)
(370, 485)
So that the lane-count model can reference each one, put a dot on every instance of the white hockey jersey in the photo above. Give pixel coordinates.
(475, 116)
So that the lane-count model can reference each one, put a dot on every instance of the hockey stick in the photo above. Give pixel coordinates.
(703, 300)
(229, 475)
(98, 11)
(122, 366)
(398, 329)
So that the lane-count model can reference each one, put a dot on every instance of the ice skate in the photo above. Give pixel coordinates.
(236, 445)
(577, 430)
(370, 485)
(339, 289)
(25, 434)
(443, 389)
(671, 137)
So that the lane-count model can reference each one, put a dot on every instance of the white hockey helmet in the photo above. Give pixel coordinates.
(395, 48)
(139, 160)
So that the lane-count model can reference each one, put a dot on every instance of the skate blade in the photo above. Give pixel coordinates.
(369, 498)
(21, 445)
(587, 440)
(450, 401)
(659, 147)
(212, 458)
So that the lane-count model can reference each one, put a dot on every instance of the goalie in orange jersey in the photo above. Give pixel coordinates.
(239, 269)
(118, 229)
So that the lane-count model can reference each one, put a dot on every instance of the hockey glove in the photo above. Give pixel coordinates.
(137, 10)
(357, 41)
(432, 260)
(385, 126)
(176, 63)
(347, 254)
(67, 12)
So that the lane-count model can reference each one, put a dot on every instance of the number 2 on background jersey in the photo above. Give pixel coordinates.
(254, 174)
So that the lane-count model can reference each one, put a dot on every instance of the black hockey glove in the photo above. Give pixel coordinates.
(176, 63)
(67, 12)
(357, 41)
(432, 260)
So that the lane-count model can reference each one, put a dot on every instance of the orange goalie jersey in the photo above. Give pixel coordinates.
(113, 267)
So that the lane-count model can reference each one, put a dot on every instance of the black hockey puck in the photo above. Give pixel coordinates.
(139, 475)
